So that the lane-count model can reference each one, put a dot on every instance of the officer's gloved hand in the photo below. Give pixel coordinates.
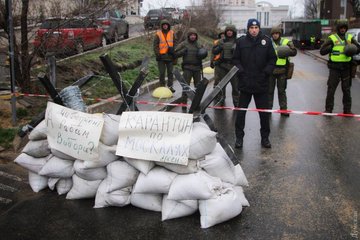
(212, 65)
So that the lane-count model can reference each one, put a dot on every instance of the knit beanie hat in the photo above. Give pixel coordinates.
(253, 21)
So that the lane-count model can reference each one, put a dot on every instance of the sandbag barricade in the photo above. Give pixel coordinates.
(209, 183)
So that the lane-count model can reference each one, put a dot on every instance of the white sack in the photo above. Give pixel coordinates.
(82, 188)
(191, 167)
(203, 140)
(148, 201)
(106, 156)
(241, 179)
(58, 168)
(194, 186)
(61, 155)
(110, 132)
(39, 132)
(158, 180)
(117, 198)
(240, 194)
(89, 174)
(176, 209)
(37, 149)
(31, 163)
(120, 174)
(52, 182)
(218, 164)
(143, 166)
(220, 209)
(37, 182)
(64, 185)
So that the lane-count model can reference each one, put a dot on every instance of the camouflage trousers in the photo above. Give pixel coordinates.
(280, 81)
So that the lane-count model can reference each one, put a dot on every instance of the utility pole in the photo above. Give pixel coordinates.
(8, 4)
(345, 8)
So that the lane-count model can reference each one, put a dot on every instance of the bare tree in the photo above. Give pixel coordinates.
(311, 9)
(356, 7)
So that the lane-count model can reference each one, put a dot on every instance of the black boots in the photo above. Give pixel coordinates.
(239, 143)
(265, 143)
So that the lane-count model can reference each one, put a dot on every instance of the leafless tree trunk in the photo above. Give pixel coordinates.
(311, 9)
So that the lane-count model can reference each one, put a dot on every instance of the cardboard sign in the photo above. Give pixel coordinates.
(72, 132)
(155, 136)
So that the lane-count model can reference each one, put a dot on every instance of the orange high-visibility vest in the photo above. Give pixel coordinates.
(164, 44)
(216, 57)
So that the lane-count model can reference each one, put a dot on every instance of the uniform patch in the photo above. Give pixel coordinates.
(263, 42)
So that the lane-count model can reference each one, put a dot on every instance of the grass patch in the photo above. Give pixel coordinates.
(7, 136)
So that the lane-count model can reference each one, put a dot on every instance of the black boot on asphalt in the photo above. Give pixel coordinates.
(348, 112)
(285, 114)
(265, 143)
(239, 143)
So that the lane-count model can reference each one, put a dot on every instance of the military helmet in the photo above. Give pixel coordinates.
(350, 50)
(202, 53)
(231, 28)
(192, 31)
(275, 29)
(341, 23)
(283, 51)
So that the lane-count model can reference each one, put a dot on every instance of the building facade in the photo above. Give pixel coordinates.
(335, 9)
(265, 12)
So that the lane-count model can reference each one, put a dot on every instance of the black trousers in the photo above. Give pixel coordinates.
(261, 102)
(335, 77)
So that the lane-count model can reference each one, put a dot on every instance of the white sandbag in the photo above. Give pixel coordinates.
(120, 174)
(110, 132)
(143, 166)
(39, 132)
(203, 141)
(218, 164)
(175, 209)
(31, 163)
(194, 186)
(148, 201)
(64, 185)
(219, 209)
(106, 156)
(52, 183)
(89, 174)
(37, 182)
(241, 179)
(58, 168)
(82, 188)
(240, 192)
(37, 149)
(61, 155)
(158, 180)
(191, 167)
(117, 198)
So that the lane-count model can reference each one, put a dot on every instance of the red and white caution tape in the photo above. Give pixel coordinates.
(214, 107)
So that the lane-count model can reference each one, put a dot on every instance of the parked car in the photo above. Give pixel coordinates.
(114, 25)
(356, 33)
(154, 17)
(175, 14)
(63, 36)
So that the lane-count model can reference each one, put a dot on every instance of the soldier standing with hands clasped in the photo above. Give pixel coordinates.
(284, 48)
(340, 46)
(255, 58)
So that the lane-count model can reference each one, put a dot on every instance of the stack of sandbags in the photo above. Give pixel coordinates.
(209, 182)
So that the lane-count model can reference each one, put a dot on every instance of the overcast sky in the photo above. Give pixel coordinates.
(297, 5)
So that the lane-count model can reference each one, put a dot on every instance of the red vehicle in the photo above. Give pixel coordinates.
(63, 36)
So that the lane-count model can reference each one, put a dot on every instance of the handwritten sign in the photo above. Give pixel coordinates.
(155, 136)
(72, 132)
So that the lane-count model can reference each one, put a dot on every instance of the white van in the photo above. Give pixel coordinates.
(356, 33)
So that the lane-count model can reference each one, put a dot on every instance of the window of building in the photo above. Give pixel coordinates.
(266, 18)
(258, 16)
(342, 3)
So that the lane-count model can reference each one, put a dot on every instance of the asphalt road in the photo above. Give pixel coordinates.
(305, 187)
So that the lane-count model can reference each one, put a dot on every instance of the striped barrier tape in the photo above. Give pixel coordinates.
(314, 113)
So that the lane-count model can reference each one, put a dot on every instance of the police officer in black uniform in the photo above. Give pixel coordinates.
(255, 57)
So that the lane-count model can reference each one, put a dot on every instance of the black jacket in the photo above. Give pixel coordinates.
(256, 59)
